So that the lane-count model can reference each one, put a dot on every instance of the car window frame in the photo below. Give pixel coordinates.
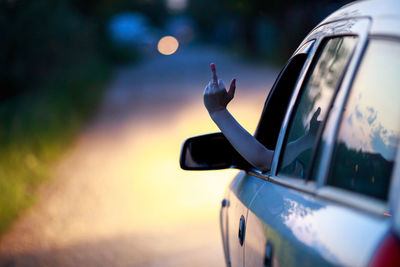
(317, 56)
(385, 208)
(302, 50)
(306, 47)
(389, 27)
(359, 27)
(330, 134)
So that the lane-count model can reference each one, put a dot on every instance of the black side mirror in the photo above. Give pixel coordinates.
(210, 152)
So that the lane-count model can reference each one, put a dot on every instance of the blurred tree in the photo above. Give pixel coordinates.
(38, 38)
(42, 36)
(155, 10)
(207, 13)
(254, 18)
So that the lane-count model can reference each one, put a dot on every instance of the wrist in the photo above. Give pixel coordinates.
(309, 139)
(217, 114)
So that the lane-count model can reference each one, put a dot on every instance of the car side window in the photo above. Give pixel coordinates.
(313, 104)
(369, 132)
(278, 99)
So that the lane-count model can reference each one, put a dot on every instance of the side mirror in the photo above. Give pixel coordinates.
(210, 152)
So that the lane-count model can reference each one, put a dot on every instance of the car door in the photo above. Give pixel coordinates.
(296, 219)
(245, 186)
(241, 192)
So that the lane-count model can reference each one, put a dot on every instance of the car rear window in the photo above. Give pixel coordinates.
(313, 104)
(370, 127)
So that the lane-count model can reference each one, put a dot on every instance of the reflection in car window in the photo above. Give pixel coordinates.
(314, 103)
(370, 128)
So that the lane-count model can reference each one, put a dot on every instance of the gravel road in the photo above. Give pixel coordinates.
(118, 197)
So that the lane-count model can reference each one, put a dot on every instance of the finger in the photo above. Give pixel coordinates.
(232, 88)
(316, 114)
(214, 73)
(221, 84)
(208, 88)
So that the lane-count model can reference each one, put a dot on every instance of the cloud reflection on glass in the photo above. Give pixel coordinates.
(370, 129)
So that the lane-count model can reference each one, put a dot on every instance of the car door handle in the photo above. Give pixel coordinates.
(268, 255)
(242, 230)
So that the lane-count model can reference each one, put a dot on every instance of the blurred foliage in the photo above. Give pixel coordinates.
(40, 37)
(36, 41)
(55, 58)
(38, 126)
(270, 29)
(102, 9)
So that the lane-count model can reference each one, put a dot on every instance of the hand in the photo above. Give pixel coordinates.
(215, 95)
(314, 123)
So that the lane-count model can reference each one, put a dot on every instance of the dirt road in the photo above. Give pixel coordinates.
(118, 197)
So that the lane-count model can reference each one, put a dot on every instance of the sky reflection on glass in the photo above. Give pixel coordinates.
(317, 93)
(370, 127)
(372, 117)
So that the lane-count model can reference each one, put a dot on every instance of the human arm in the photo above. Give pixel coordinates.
(303, 143)
(216, 99)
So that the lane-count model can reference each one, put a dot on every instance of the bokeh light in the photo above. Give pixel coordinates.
(168, 45)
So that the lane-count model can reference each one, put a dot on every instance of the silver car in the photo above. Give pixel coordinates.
(335, 202)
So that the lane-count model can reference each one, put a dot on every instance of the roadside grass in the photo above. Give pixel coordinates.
(37, 127)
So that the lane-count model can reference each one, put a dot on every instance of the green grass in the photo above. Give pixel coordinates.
(37, 127)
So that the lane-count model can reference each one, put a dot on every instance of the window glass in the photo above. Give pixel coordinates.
(313, 105)
(370, 128)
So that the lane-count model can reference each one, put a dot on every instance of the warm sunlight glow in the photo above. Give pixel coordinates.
(167, 45)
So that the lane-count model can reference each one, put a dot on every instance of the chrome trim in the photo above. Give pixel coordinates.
(294, 183)
(304, 49)
(332, 194)
(394, 195)
(331, 128)
(354, 200)
(258, 175)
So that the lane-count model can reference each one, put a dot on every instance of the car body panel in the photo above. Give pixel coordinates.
(389, 26)
(306, 229)
(373, 9)
(242, 191)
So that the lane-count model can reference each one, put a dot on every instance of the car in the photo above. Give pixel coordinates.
(335, 202)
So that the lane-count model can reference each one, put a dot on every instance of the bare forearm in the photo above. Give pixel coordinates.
(296, 147)
(216, 98)
(244, 143)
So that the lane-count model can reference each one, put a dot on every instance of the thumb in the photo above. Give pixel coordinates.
(232, 88)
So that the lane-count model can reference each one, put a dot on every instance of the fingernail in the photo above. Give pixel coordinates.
(234, 80)
(212, 66)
